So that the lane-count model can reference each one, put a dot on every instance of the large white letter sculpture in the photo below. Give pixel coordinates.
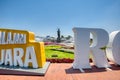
(113, 49)
(82, 48)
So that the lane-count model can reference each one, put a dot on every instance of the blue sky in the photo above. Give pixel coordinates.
(43, 17)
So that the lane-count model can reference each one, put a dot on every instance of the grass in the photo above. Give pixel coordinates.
(52, 53)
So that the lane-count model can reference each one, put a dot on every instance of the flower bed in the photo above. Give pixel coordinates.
(64, 60)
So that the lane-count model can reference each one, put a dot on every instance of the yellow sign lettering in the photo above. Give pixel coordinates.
(19, 48)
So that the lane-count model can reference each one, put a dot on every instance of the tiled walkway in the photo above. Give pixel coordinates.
(63, 71)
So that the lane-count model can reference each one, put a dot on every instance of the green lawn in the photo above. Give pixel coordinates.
(52, 52)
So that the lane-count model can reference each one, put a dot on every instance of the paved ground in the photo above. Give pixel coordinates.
(63, 71)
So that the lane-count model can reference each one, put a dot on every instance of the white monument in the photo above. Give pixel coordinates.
(83, 49)
(113, 49)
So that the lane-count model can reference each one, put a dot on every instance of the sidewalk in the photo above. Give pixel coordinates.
(64, 71)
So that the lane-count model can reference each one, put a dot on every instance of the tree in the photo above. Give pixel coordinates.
(68, 37)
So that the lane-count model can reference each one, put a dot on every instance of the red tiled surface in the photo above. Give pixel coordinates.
(63, 71)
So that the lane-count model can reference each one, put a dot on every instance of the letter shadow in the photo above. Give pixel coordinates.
(94, 69)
